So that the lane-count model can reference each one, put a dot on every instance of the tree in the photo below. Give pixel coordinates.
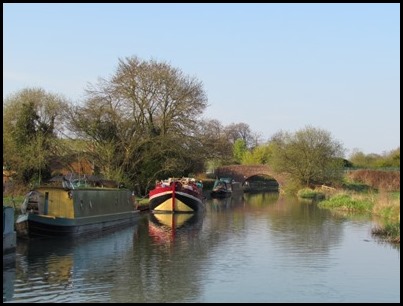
(215, 143)
(32, 119)
(391, 159)
(239, 150)
(261, 154)
(361, 160)
(235, 131)
(142, 122)
(309, 156)
(386, 160)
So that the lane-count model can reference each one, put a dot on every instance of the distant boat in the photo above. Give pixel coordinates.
(225, 187)
(74, 205)
(177, 195)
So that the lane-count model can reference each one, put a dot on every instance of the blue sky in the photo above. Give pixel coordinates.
(273, 66)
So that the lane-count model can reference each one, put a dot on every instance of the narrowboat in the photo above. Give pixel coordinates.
(177, 195)
(225, 188)
(75, 206)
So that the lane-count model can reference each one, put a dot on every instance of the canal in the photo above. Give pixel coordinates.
(255, 248)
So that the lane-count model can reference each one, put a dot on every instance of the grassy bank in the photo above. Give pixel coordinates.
(383, 205)
(365, 191)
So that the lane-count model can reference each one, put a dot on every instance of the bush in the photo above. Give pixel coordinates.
(307, 193)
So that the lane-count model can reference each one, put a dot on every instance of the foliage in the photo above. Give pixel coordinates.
(386, 160)
(217, 148)
(32, 119)
(260, 154)
(292, 187)
(309, 156)
(13, 201)
(239, 150)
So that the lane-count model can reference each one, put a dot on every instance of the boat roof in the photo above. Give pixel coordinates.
(225, 179)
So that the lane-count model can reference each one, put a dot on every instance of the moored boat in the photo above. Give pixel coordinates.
(177, 195)
(221, 189)
(225, 188)
(75, 206)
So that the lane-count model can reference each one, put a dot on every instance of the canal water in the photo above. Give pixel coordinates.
(255, 248)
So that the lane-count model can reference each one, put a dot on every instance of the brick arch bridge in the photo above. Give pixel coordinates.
(241, 173)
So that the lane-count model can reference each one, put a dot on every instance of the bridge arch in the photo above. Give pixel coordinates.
(241, 173)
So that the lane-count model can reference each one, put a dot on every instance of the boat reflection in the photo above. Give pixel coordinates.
(166, 227)
(226, 203)
(58, 264)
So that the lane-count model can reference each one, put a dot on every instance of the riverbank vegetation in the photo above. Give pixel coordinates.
(365, 191)
(383, 205)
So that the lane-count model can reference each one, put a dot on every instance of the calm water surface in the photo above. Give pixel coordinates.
(259, 248)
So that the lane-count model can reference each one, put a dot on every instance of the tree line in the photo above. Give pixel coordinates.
(145, 122)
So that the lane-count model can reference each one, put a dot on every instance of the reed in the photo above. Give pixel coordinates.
(379, 179)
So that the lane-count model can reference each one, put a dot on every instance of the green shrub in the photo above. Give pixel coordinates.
(307, 193)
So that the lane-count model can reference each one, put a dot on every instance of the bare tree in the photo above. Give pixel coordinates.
(148, 114)
(242, 131)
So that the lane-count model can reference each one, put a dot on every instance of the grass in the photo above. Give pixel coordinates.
(142, 203)
(308, 193)
(383, 204)
(344, 201)
(13, 201)
(389, 232)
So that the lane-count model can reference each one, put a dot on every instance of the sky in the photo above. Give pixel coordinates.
(275, 67)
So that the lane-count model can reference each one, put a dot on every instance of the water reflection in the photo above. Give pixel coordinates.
(52, 269)
(253, 248)
(304, 232)
(168, 263)
(165, 228)
(295, 228)
(8, 280)
(263, 199)
(225, 203)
